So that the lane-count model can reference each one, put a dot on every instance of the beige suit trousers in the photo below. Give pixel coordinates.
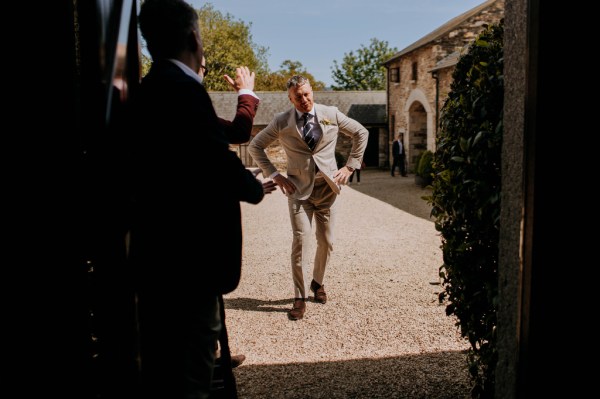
(322, 206)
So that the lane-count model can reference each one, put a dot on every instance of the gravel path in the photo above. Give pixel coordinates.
(382, 333)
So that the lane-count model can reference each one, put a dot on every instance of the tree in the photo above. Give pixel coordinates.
(227, 45)
(365, 70)
(276, 81)
(146, 64)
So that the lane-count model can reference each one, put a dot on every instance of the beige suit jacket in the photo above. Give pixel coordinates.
(301, 160)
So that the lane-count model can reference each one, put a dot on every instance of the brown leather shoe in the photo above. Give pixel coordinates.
(319, 290)
(297, 312)
(236, 360)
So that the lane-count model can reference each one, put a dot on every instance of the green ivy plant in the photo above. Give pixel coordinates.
(425, 167)
(465, 200)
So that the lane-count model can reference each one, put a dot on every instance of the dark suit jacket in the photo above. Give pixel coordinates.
(396, 149)
(186, 238)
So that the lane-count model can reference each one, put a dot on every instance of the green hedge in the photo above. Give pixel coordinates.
(466, 200)
(425, 166)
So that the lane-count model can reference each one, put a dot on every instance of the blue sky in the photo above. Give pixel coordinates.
(317, 32)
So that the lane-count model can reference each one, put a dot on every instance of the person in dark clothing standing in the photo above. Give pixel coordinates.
(398, 155)
(186, 233)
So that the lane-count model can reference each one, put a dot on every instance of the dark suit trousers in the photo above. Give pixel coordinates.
(178, 347)
(399, 162)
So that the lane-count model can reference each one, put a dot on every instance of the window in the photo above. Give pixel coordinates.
(414, 71)
(395, 75)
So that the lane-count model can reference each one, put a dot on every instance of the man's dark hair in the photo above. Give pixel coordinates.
(166, 26)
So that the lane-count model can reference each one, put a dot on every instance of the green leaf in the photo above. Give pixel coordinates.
(466, 199)
(363, 69)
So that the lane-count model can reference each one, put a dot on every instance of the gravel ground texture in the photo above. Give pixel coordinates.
(382, 332)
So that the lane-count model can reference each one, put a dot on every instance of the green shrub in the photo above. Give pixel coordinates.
(424, 169)
(416, 166)
(465, 200)
(425, 165)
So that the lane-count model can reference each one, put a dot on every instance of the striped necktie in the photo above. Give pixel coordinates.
(307, 132)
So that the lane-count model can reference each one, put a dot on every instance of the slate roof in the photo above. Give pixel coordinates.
(368, 114)
(448, 61)
(272, 102)
(442, 30)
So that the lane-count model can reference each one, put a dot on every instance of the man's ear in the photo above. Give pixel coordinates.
(193, 41)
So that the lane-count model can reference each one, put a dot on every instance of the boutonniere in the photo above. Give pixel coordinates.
(326, 122)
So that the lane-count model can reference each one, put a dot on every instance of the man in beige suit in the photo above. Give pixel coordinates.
(308, 133)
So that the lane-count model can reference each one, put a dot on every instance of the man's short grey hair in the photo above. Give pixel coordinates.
(297, 81)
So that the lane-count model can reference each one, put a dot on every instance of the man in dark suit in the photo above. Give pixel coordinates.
(186, 237)
(398, 155)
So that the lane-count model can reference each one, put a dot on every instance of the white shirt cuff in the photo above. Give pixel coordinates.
(247, 91)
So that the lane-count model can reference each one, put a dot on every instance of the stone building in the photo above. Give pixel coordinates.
(420, 75)
(367, 107)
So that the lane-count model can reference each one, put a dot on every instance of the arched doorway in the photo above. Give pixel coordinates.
(420, 135)
(417, 133)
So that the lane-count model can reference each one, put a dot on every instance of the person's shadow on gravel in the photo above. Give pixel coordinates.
(258, 305)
